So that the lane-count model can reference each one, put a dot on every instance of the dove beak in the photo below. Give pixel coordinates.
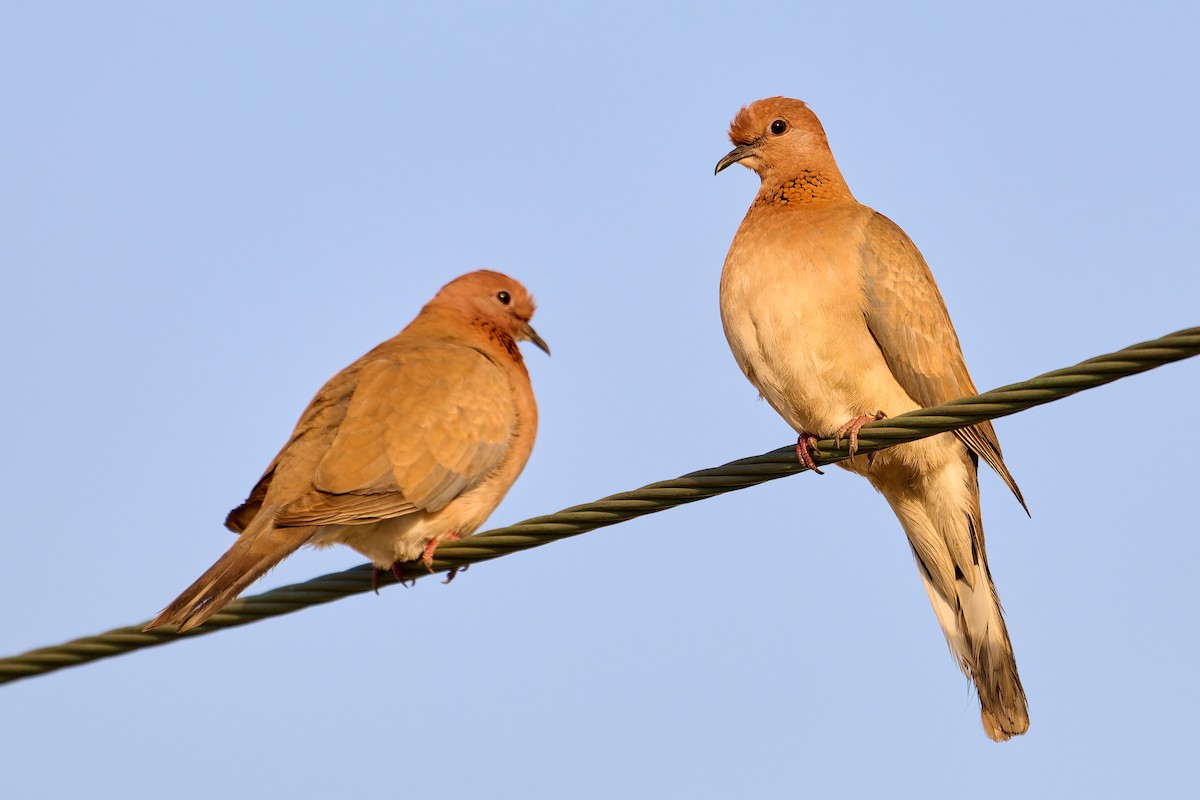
(530, 335)
(737, 154)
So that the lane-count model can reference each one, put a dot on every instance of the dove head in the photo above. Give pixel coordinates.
(782, 140)
(499, 308)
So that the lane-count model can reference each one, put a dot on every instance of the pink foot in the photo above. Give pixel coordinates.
(427, 556)
(853, 426)
(806, 448)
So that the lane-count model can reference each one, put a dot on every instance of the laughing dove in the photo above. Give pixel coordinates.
(832, 313)
(413, 444)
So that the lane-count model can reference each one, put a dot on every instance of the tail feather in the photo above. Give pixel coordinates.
(256, 551)
(978, 638)
(946, 536)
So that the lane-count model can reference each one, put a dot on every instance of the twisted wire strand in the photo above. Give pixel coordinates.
(624, 506)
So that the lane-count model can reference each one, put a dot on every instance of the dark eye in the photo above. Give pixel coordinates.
(779, 127)
(504, 297)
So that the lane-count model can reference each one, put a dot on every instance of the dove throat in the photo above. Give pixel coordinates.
(808, 188)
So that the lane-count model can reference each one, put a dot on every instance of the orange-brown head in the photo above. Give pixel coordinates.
(497, 304)
(780, 139)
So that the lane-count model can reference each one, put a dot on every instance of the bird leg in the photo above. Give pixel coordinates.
(427, 556)
(853, 427)
(806, 448)
(428, 559)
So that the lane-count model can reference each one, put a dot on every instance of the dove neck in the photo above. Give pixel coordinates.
(498, 341)
(479, 332)
(811, 186)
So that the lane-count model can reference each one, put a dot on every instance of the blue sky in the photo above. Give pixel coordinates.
(209, 211)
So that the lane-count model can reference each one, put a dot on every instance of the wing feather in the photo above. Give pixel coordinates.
(908, 318)
(421, 427)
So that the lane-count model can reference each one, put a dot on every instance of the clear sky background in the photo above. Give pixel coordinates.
(208, 211)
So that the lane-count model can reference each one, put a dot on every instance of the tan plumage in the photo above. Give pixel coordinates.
(833, 315)
(414, 443)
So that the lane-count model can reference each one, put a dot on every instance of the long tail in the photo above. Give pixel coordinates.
(973, 623)
(256, 551)
(945, 532)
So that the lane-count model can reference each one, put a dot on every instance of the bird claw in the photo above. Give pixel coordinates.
(427, 556)
(426, 559)
(397, 570)
(454, 571)
(853, 426)
(806, 448)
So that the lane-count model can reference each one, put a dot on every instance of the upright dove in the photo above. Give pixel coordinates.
(833, 314)
(415, 443)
